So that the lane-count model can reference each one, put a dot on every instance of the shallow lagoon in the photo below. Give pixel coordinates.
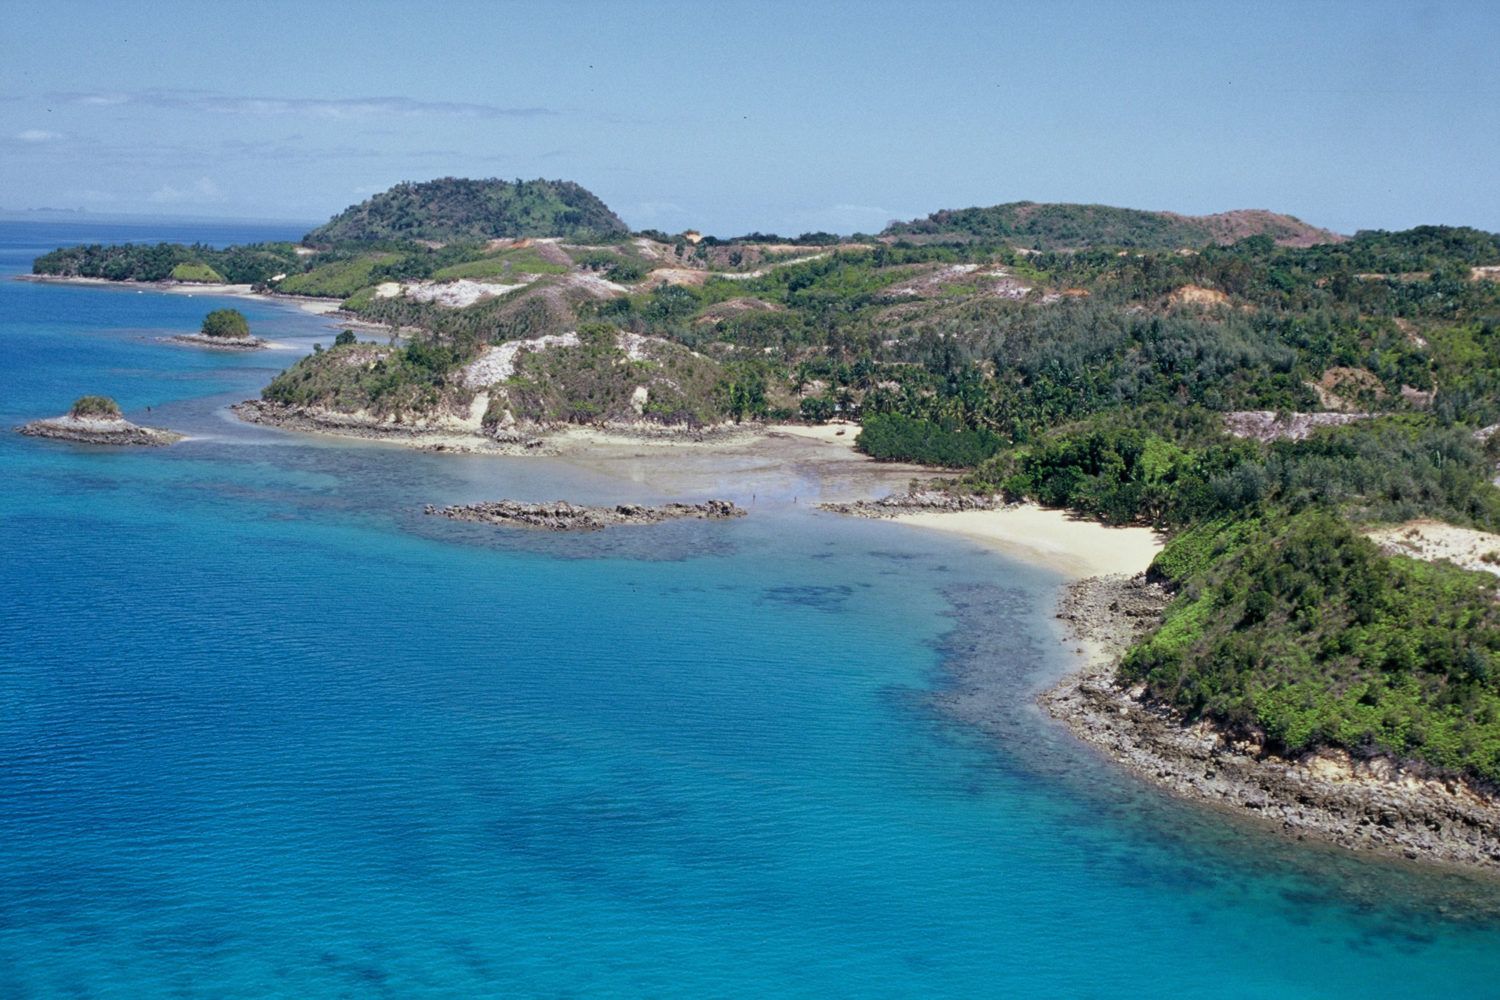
(270, 731)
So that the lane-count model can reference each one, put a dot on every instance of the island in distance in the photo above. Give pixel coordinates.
(225, 330)
(97, 420)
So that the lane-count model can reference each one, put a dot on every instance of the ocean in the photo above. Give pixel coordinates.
(266, 730)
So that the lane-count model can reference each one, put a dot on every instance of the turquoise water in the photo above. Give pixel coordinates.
(268, 731)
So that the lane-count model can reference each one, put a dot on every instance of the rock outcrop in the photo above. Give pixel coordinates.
(97, 430)
(219, 343)
(563, 516)
(1266, 425)
(916, 502)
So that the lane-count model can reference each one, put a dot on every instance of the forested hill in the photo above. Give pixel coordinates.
(1029, 225)
(453, 209)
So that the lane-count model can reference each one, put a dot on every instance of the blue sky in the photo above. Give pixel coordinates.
(780, 117)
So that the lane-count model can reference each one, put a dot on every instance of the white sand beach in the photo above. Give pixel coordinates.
(1051, 538)
(836, 433)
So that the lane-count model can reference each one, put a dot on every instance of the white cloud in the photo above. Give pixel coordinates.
(38, 135)
(202, 190)
(351, 107)
(364, 107)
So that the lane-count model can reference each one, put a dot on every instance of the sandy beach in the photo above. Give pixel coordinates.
(837, 433)
(1054, 539)
(1108, 604)
(316, 306)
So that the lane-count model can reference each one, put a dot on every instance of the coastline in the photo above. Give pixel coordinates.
(1053, 539)
(238, 345)
(1105, 605)
(307, 303)
(438, 436)
(730, 459)
(1370, 805)
(1375, 805)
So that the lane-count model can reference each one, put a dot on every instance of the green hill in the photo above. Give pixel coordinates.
(453, 209)
(1069, 227)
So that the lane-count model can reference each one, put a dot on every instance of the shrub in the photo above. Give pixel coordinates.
(97, 407)
(226, 323)
(627, 272)
(895, 438)
(1300, 628)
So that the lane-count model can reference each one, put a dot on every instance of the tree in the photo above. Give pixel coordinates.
(226, 323)
(95, 407)
(817, 409)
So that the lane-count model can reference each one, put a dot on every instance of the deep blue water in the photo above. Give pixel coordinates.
(268, 731)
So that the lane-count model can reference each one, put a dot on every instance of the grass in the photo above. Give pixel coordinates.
(502, 265)
(196, 272)
(337, 280)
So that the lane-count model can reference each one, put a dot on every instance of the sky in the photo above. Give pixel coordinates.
(766, 116)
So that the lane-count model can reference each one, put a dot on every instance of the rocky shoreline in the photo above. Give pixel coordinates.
(428, 436)
(561, 515)
(1378, 805)
(454, 433)
(916, 502)
(84, 430)
(219, 343)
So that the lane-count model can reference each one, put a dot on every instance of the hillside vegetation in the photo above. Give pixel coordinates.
(1036, 226)
(1297, 628)
(250, 265)
(454, 209)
